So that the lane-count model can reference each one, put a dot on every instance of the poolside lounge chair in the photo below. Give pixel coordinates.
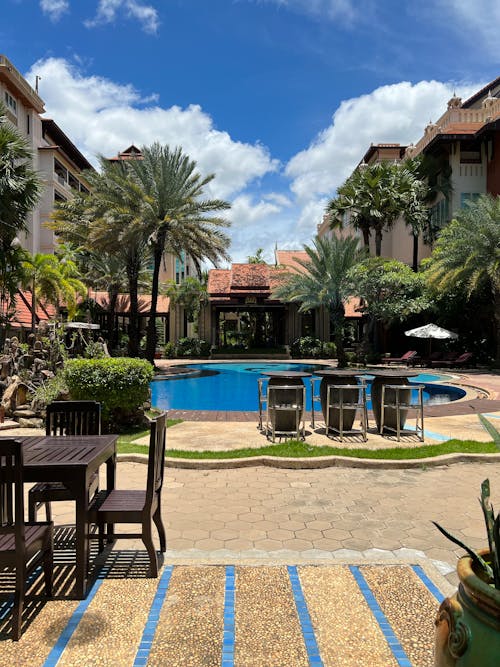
(405, 359)
(461, 360)
(445, 360)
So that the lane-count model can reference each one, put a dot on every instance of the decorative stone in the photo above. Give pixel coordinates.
(24, 412)
(31, 423)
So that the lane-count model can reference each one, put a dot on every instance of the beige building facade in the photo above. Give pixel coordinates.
(55, 157)
(465, 140)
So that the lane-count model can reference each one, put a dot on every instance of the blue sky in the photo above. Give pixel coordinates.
(279, 98)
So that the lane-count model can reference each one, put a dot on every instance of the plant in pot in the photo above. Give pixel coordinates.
(468, 622)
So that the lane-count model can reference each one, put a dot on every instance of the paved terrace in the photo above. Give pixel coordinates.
(248, 546)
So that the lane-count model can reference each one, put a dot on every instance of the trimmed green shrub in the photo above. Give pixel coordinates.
(121, 385)
(307, 347)
(188, 347)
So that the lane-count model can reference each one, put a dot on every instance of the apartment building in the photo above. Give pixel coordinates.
(465, 141)
(55, 157)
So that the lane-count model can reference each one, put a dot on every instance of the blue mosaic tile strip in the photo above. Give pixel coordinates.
(305, 620)
(435, 436)
(429, 584)
(229, 633)
(58, 649)
(391, 639)
(144, 649)
(489, 414)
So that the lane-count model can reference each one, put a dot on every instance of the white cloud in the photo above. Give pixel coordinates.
(103, 117)
(480, 18)
(332, 9)
(395, 113)
(54, 8)
(107, 11)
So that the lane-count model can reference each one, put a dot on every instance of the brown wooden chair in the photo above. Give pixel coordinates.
(144, 507)
(65, 418)
(23, 546)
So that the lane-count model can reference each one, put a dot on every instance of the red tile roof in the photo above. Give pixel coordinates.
(288, 258)
(22, 315)
(123, 303)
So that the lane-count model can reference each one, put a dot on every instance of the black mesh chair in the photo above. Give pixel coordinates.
(65, 418)
(23, 546)
(137, 506)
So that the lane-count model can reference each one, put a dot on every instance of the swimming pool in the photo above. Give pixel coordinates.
(233, 386)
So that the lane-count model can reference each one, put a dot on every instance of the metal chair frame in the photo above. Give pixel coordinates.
(297, 406)
(262, 399)
(341, 404)
(315, 397)
(398, 403)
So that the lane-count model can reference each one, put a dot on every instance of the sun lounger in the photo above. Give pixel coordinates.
(405, 359)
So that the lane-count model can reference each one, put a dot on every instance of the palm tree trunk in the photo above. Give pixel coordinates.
(496, 311)
(151, 332)
(337, 321)
(113, 298)
(133, 329)
(378, 242)
(415, 253)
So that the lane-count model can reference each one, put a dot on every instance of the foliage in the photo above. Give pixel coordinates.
(323, 281)
(467, 254)
(390, 289)
(191, 294)
(121, 385)
(489, 568)
(188, 347)
(51, 390)
(258, 258)
(374, 196)
(175, 215)
(307, 347)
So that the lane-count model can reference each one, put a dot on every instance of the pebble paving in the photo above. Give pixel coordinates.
(189, 620)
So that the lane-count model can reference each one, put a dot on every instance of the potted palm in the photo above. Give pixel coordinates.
(468, 622)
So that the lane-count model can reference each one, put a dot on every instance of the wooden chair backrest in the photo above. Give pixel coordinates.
(156, 459)
(12, 493)
(73, 418)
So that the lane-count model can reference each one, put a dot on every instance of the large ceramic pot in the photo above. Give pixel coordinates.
(468, 622)
(349, 395)
(390, 415)
(286, 420)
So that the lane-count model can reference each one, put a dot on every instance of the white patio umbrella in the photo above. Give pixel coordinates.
(431, 331)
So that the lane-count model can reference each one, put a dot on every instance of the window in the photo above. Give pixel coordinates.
(466, 197)
(11, 103)
(470, 152)
(180, 268)
(439, 214)
(28, 124)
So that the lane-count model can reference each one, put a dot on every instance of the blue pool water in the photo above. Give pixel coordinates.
(233, 386)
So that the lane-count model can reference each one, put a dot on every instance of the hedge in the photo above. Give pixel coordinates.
(121, 385)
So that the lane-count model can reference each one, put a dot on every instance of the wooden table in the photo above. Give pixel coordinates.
(72, 460)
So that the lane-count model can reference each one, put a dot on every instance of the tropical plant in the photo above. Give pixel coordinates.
(374, 196)
(323, 281)
(109, 221)
(52, 280)
(191, 294)
(258, 258)
(175, 216)
(467, 254)
(389, 290)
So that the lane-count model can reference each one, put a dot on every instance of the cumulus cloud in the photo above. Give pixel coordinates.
(54, 8)
(103, 117)
(481, 17)
(107, 11)
(394, 113)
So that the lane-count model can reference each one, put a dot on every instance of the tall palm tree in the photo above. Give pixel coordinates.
(109, 221)
(467, 253)
(324, 281)
(373, 198)
(176, 216)
(53, 281)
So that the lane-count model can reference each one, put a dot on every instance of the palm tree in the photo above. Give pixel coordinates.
(175, 216)
(20, 190)
(323, 282)
(191, 295)
(109, 222)
(467, 254)
(53, 281)
(374, 196)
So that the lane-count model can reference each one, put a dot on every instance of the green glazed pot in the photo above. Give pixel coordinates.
(468, 622)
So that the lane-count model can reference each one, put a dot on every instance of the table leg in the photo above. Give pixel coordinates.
(110, 485)
(81, 542)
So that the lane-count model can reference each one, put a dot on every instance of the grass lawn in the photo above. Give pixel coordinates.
(300, 449)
